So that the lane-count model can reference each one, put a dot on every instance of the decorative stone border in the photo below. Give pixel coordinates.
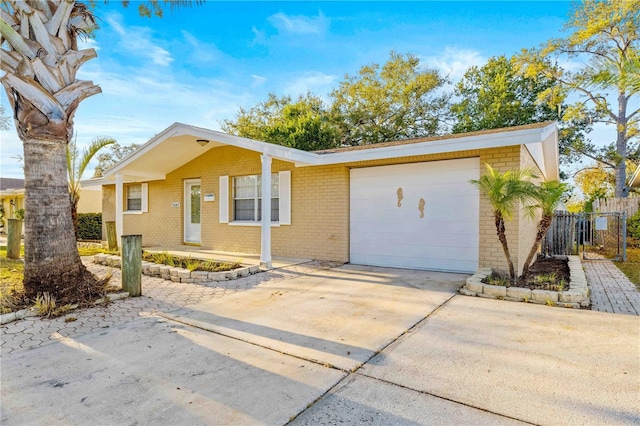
(179, 275)
(576, 297)
(31, 312)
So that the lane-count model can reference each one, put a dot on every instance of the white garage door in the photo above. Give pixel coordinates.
(418, 216)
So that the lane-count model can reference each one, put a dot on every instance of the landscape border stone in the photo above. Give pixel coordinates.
(576, 297)
(174, 274)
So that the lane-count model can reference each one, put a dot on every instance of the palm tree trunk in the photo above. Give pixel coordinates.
(52, 262)
(74, 217)
(543, 226)
(503, 240)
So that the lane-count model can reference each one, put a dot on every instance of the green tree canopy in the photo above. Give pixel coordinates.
(108, 159)
(496, 95)
(605, 35)
(302, 124)
(398, 100)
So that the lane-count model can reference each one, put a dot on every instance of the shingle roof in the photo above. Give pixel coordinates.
(433, 138)
(10, 183)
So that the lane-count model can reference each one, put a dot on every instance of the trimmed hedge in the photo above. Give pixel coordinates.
(89, 226)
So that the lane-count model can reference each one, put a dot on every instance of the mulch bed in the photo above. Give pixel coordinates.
(542, 269)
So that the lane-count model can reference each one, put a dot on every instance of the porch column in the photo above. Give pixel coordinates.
(119, 205)
(265, 236)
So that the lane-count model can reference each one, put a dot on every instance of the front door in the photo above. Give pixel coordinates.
(192, 204)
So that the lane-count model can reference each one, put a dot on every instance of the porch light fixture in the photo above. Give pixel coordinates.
(202, 142)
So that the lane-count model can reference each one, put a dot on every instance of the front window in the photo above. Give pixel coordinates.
(134, 198)
(247, 198)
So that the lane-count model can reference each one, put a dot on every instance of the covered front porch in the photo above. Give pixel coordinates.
(245, 259)
(178, 192)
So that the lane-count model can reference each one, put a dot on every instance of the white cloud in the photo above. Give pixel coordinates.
(257, 81)
(314, 81)
(138, 41)
(88, 43)
(299, 24)
(454, 62)
(259, 36)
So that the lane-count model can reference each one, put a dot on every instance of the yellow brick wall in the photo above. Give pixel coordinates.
(320, 206)
(491, 252)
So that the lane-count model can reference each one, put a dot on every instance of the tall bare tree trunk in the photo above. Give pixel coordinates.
(52, 262)
(621, 148)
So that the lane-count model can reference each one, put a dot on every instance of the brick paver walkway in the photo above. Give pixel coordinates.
(158, 295)
(611, 290)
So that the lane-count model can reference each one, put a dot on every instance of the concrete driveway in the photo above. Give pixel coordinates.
(345, 345)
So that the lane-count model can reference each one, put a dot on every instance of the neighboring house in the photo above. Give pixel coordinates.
(405, 204)
(12, 197)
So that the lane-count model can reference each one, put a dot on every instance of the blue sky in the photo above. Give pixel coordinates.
(199, 65)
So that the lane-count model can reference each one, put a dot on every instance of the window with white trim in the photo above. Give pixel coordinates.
(247, 198)
(134, 198)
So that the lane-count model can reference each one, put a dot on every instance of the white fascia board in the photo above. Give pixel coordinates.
(88, 183)
(273, 150)
(153, 142)
(463, 143)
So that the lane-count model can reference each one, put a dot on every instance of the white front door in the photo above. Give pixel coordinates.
(192, 205)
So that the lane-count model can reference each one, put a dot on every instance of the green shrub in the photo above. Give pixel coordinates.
(89, 226)
(633, 225)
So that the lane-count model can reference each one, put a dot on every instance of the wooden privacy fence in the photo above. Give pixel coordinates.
(561, 236)
(607, 205)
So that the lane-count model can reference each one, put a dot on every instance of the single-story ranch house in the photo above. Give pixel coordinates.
(406, 204)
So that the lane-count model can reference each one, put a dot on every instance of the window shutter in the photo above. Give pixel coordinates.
(285, 197)
(144, 198)
(223, 196)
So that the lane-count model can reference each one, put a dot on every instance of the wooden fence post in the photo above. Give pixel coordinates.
(112, 237)
(132, 264)
(14, 235)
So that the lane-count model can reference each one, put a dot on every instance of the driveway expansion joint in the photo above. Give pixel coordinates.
(376, 353)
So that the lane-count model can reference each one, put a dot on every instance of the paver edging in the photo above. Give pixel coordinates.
(31, 312)
(577, 296)
(171, 273)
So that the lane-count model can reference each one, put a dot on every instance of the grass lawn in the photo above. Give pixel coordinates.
(11, 274)
(631, 268)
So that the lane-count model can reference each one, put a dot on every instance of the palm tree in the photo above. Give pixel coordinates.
(504, 191)
(547, 196)
(40, 59)
(76, 165)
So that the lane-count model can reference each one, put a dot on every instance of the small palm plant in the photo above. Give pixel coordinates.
(76, 166)
(547, 196)
(504, 191)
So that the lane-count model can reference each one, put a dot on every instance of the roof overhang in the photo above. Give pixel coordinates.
(177, 145)
(541, 142)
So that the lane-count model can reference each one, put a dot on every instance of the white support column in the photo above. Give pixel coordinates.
(265, 236)
(119, 206)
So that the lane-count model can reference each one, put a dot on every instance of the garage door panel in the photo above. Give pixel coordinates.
(445, 238)
(436, 254)
(452, 237)
(418, 263)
